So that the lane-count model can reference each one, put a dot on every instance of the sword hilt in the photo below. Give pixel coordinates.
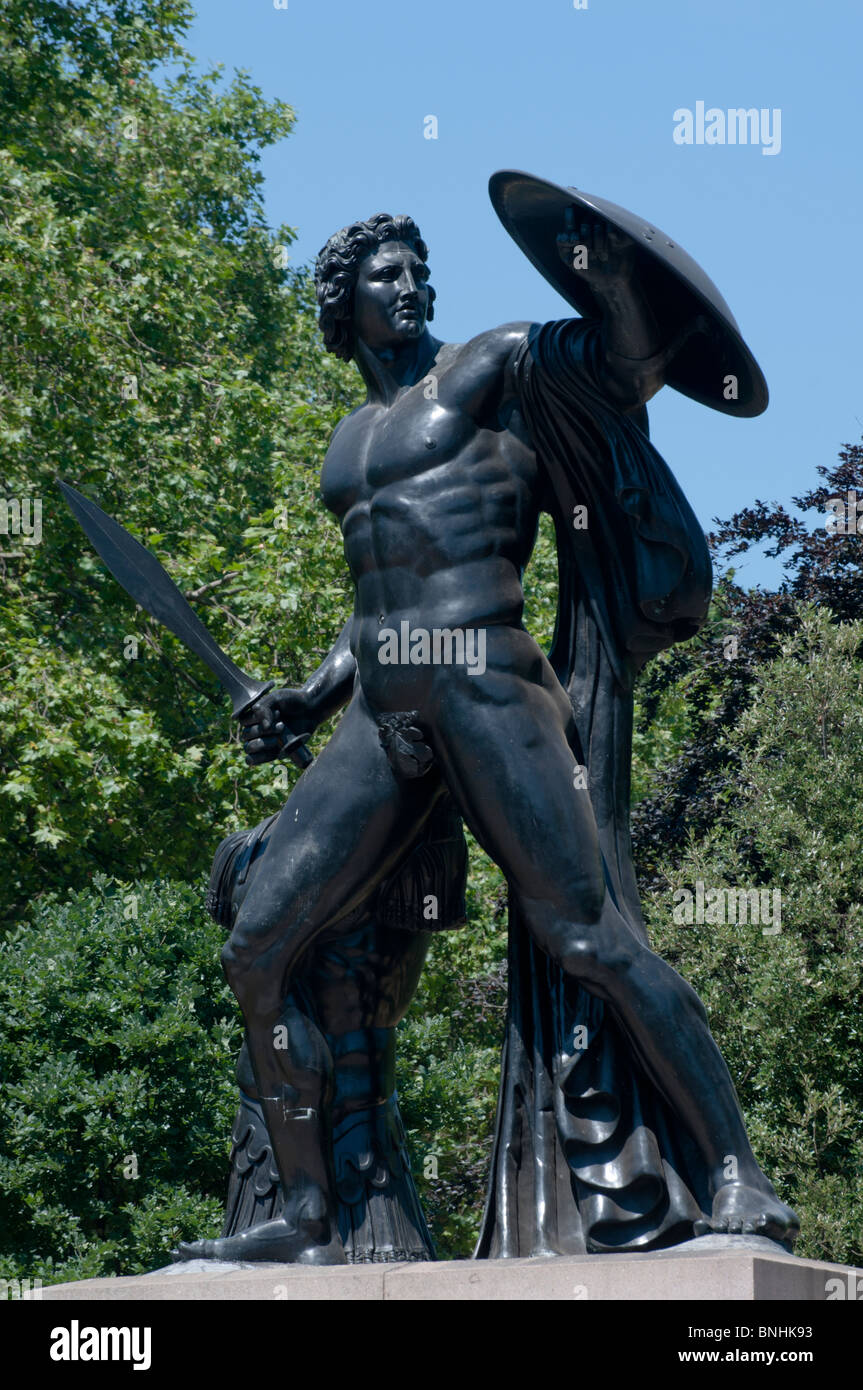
(249, 695)
(295, 747)
(296, 750)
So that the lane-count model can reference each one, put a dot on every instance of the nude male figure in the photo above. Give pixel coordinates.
(438, 491)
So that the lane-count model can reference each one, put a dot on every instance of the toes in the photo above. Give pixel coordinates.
(716, 1226)
(783, 1229)
(193, 1250)
(779, 1225)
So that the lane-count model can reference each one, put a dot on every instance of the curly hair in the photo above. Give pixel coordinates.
(337, 267)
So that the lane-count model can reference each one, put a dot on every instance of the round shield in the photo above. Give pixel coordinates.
(714, 365)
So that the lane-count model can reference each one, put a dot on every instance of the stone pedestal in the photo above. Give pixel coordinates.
(713, 1268)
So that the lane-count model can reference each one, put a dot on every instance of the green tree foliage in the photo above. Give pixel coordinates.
(786, 1006)
(118, 1040)
(156, 351)
(682, 794)
(762, 792)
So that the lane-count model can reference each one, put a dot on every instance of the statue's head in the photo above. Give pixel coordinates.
(371, 280)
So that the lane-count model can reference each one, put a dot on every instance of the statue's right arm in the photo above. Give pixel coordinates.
(329, 687)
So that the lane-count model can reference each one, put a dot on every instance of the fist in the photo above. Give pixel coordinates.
(596, 250)
(270, 725)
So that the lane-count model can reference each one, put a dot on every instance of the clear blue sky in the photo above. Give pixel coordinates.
(587, 97)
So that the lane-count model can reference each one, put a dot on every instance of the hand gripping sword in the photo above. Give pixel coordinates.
(145, 580)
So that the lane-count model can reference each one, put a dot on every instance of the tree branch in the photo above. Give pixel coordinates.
(213, 584)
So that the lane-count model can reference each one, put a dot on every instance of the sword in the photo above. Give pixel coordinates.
(150, 585)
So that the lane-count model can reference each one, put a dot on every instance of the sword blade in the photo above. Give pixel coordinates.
(150, 585)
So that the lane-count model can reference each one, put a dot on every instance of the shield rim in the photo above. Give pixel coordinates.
(752, 400)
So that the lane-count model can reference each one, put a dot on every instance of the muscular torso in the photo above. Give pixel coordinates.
(438, 496)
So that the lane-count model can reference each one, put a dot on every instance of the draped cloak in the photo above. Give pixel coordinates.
(588, 1155)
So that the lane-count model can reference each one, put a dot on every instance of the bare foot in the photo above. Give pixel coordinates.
(307, 1242)
(746, 1209)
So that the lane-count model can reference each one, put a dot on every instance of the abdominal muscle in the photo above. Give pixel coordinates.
(440, 549)
(401, 670)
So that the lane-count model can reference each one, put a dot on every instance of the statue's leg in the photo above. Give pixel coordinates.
(359, 982)
(345, 827)
(501, 740)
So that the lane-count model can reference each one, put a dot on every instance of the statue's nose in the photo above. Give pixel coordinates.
(408, 286)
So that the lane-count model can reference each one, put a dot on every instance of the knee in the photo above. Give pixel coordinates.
(236, 963)
(566, 909)
(255, 987)
(580, 953)
(231, 961)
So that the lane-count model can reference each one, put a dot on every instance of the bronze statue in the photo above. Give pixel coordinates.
(618, 1127)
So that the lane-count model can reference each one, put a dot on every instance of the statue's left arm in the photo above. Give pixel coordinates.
(580, 387)
(633, 356)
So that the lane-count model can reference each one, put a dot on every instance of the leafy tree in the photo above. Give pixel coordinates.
(786, 1001)
(118, 1039)
(155, 350)
(683, 794)
(761, 791)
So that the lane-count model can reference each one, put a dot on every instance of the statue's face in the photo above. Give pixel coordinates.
(391, 296)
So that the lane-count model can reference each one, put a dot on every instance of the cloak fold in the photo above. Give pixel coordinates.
(587, 1154)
